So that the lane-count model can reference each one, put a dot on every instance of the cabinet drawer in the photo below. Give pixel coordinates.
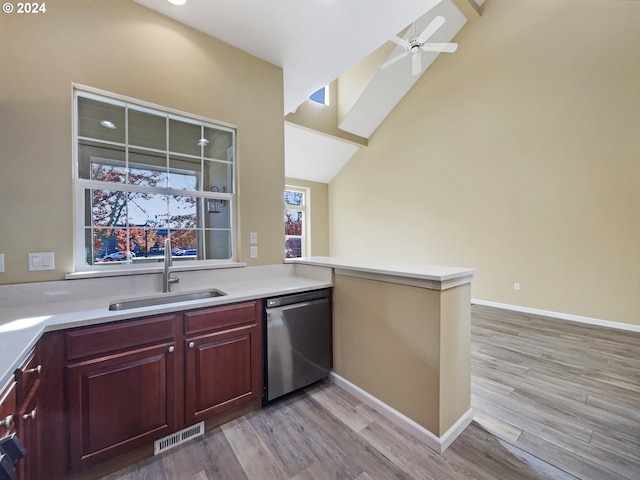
(95, 341)
(7, 407)
(27, 374)
(219, 318)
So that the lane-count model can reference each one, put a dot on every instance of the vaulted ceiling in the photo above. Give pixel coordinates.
(317, 41)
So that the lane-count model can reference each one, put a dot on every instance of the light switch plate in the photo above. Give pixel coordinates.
(253, 252)
(253, 238)
(1, 262)
(41, 261)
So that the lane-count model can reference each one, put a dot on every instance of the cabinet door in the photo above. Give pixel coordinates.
(223, 370)
(121, 401)
(29, 433)
(8, 407)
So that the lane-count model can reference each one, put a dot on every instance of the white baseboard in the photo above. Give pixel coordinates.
(438, 444)
(563, 316)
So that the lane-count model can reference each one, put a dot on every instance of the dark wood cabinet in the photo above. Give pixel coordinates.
(127, 395)
(223, 368)
(132, 382)
(19, 414)
(8, 406)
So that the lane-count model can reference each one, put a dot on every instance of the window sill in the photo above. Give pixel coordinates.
(118, 272)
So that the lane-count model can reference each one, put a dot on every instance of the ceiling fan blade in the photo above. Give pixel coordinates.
(400, 41)
(435, 24)
(416, 63)
(440, 47)
(394, 60)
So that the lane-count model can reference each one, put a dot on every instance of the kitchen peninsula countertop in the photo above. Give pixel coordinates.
(434, 277)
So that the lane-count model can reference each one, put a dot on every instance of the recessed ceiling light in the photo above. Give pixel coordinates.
(178, 2)
(108, 124)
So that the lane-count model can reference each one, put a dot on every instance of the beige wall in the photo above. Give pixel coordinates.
(124, 48)
(319, 214)
(517, 155)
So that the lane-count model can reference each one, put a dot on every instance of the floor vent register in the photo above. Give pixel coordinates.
(178, 438)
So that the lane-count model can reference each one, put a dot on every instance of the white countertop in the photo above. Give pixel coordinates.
(21, 326)
(27, 311)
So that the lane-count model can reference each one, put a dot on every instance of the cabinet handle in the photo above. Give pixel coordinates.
(191, 344)
(171, 349)
(32, 414)
(7, 421)
(37, 369)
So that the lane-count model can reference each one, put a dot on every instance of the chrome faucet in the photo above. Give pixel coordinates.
(168, 262)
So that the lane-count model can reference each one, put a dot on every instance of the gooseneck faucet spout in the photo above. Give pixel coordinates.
(166, 272)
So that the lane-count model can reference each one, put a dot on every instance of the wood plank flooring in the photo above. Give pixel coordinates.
(552, 400)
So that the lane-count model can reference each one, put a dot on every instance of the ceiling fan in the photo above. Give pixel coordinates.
(416, 45)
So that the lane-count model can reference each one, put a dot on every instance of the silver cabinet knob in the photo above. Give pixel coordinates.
(171, 349)
(191, 344)
(7, 421)
(32, 414)
(37, 369)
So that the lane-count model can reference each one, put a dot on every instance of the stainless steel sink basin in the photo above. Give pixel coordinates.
(165, 299)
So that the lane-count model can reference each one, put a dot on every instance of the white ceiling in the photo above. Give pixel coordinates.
(314, 41)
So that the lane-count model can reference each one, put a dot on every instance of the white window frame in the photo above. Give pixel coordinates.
(306, 218)
(81, 184)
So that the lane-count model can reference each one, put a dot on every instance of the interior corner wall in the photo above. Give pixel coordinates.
(319, 214)
(518, 156)
(127, 49)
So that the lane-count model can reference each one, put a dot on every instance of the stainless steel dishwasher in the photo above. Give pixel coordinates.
(298, 340)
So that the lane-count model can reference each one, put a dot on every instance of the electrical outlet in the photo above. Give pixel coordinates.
(516, 286)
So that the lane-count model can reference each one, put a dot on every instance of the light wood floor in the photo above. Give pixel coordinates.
(552, 400)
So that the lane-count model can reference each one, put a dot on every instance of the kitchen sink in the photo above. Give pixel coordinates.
(165, 299)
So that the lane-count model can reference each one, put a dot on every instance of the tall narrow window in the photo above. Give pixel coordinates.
(144, 174)
(296, 222)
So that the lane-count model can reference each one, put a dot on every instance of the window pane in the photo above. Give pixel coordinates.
(217, 144)
(90, 115)
(217, 214)
(147, 130)
(146, 243)
(218, 175)
(293, 198)
(110, 244)
(293, 222)
(184, 173)
(184, 244)
(218, 243)
(108, 208)
(183, 212)
(148, 210)
(147, 169)
(101, 163)
(293, 247)
(319, 96)
(184, 137)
